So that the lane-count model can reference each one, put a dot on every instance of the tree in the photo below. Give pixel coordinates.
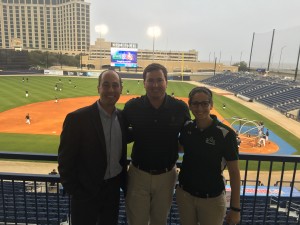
(242, 66)
(39, 59)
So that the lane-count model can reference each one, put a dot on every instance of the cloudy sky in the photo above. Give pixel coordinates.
(220, 28)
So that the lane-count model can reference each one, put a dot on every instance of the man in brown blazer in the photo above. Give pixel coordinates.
(92, 156)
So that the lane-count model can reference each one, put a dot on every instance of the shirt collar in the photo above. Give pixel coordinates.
(165, 103)
(104, 113)
(213, 124)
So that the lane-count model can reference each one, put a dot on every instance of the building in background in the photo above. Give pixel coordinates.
(99, 57)
(51, 25)
(63, 27)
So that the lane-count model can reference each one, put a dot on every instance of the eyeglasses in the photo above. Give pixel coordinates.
(203, 104)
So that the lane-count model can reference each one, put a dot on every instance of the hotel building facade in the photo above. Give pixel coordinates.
(63, 26)
(47, 25)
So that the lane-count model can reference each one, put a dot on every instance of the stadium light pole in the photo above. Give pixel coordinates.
(240, 60)
(280, 57)
(215, 66)
(241, 56)
(154, 32)
(101, 29)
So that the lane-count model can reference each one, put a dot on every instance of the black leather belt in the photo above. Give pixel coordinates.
(110, 179)
(201, 194)
(153, 172)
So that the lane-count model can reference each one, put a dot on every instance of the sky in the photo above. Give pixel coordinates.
(215, 28)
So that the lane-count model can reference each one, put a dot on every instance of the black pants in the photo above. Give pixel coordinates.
(102, 209)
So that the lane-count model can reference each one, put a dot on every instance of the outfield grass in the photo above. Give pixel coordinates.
(41, 88)
(36, 143)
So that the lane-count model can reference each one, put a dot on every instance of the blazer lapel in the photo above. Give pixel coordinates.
(96, 120)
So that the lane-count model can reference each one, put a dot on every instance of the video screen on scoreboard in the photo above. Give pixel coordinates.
(123, 57)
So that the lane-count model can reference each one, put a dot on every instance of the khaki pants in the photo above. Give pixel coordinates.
(149, 197)
(203, 211)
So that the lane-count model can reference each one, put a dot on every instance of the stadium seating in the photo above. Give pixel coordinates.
(20, 206)
(282, 95)
(32, 199)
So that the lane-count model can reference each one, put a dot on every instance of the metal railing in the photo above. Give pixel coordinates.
(269, 193)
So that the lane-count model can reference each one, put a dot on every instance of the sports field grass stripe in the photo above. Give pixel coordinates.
(42, 89)
(12, 88)
(47, 144)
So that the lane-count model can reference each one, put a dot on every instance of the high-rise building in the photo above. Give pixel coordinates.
(52, 25)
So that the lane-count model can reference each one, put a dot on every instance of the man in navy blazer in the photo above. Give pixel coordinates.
(92, 156)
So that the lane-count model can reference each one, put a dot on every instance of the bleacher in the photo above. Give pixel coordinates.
(18, 206)
(33, 203)
(262, 210)
(282, 95)
(39, 199)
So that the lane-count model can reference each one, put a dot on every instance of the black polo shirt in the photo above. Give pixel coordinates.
(155, 131)
(204, 151)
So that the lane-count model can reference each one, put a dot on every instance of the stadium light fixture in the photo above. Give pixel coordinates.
(154, 32)
(101, 29)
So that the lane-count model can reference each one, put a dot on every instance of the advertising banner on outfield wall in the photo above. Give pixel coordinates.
(74, 73)
(54, 72)
(71, 73)
(92, 74)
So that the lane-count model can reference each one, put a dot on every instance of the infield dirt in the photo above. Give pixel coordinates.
(47, 118)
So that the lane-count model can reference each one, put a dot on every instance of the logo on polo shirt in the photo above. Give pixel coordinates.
(210, 141)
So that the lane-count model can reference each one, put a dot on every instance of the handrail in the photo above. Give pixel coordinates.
(28, 156)
(242, 156)
(274, 158)
(30, 177)
(250, 214)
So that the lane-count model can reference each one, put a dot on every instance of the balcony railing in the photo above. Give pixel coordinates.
(269, 193)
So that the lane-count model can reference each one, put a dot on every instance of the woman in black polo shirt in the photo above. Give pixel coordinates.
(208, 146)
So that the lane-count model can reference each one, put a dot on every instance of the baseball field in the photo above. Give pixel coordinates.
(47, 115)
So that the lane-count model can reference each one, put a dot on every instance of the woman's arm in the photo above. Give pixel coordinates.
(233, 216)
